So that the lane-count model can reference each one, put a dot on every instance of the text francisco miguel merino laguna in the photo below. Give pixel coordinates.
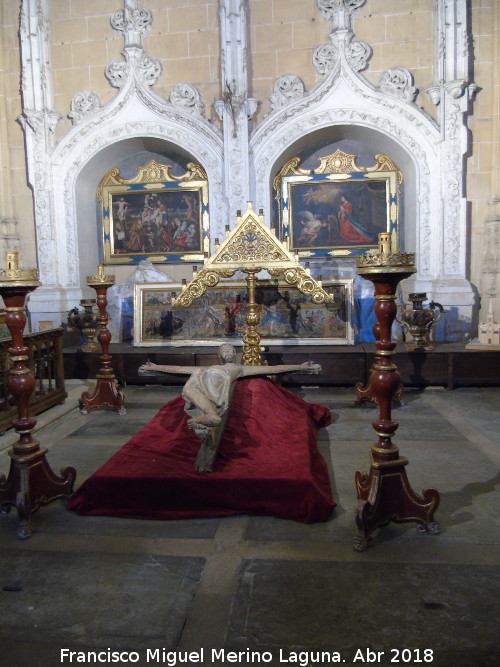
(161, 656)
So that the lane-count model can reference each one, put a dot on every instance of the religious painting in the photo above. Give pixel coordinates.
(158, 220)
(288, 317)
(342, 213)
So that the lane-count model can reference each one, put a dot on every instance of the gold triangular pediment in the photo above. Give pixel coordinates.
(251, 244)
(251, 247)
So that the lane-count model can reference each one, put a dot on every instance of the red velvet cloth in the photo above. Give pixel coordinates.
(268, 464)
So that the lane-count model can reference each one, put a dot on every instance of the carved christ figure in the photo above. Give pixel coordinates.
(207, 391)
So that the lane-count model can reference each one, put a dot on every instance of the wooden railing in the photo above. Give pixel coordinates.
(45, 351)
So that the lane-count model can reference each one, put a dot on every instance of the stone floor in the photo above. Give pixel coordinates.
(260, 590)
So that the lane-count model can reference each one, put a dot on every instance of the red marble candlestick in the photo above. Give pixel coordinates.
(385, 494)
(31, 482)
(107, 393)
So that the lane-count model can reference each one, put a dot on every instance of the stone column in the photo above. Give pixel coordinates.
(235, 108)
(39, 122)
(490, 251)
(444, 272)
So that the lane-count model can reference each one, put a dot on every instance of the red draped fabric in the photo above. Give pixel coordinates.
(268, 464)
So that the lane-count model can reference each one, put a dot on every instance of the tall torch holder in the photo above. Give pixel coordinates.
(107, 393)
(385, 494)
(31, 482)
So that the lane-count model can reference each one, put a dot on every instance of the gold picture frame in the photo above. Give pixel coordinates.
(288, 317)
(156, 215)
(339, 208)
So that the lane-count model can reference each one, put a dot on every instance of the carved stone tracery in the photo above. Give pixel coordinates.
(133, 23)
(187, 97)
(84, 104)
(398, 81)
(287, 89)
(436, 147)
(356, 53)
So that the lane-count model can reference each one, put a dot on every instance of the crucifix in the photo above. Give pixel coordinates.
(208, 393)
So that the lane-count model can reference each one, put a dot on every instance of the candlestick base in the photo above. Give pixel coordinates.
(107, 394)
(32, 484)
(385, 495)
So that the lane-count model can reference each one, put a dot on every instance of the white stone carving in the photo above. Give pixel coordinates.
(39, 122)
(435, 147)
(372, 110)
(452, 175)
(325, 58)
(117, 72)
(133, 22)
(287, 89)
(434, 92)
(339, 12)
(187, 97)
(198, 138)
(148, 70)
(85, 103)
(472, 90)
(251, 106)
(344, 98)
(398, 81)
(358, 55)
(354, 4)
(490, 279)
(235, 108)
(57, 209)
(454, 93)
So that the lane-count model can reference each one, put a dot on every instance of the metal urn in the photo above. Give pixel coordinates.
(418, 321)
(86, 322)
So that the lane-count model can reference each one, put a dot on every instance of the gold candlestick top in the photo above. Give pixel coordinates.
(100, 278)
(385, 256)
(12, 260)
(384, 242)
(14, 276)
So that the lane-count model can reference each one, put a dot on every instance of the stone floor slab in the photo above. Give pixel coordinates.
(96, 598)
(342, 607)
